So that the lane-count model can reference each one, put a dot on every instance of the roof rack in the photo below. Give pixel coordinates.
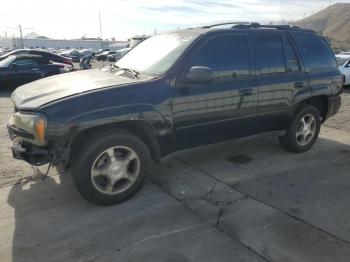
(228, 23)
(257, 25)
(254, 25)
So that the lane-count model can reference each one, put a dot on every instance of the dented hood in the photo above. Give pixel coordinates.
(53, 88)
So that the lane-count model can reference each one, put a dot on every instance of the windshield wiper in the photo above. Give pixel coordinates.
(114, 67)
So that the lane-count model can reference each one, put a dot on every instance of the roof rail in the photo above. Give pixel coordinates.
(228, 23)
(254, 25)
(257, 25)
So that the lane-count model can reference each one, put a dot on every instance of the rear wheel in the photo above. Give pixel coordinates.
(112, 168)
(303, 131)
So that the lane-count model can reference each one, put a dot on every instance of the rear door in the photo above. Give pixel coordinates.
(224, 108)
(281, 77)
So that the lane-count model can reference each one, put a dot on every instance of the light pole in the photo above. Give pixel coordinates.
(99, 17)
(20, 33)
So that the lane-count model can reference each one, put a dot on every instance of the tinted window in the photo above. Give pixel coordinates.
(292, 64)
(315, 51)
(42, 61)
(269, 54)
(23, 62)
(227, 56)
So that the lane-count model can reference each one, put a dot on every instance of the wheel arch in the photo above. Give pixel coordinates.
(320, 102)
(140, 128)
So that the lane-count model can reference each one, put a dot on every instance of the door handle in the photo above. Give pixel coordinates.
(299, 85)
(35, 69)
(246, 92)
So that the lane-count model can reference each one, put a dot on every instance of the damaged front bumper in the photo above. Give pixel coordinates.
(32, 154)
(23, 150)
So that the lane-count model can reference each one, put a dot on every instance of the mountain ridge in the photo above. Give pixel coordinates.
(333, 22)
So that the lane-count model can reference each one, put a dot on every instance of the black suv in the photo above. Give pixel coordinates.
(175, 91)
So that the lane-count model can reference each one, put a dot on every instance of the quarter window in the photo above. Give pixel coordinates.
(315, 51)
(227, 56)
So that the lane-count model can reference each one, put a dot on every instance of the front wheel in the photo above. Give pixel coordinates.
(303, 130)
(111, 168)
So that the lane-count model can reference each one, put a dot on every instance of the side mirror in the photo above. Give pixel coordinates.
(199, 75)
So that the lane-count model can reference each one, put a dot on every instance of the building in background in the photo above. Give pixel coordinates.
(96, 44)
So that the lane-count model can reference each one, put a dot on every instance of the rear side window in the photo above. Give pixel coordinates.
(227, 56)
(42, 61)
(269, 54)
(315, 51)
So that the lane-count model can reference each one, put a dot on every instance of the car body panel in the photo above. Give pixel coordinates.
(47, 90)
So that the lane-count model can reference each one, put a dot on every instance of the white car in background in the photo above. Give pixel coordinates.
(345, 70)
(342, 57)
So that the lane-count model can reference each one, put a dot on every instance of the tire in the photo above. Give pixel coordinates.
(102, 189)
(295, 139)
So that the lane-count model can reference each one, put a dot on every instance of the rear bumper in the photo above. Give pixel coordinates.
(334, 104)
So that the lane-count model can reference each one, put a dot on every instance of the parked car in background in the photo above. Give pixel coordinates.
(342, 57)
(134, 41)
(121, 52)
(16, 70)
(102, 50)
(48, 55)
(103, 56)
(72, 54)
(86, 52)
(118, 54)
(345, 70)
(112, 58)
(4, 50)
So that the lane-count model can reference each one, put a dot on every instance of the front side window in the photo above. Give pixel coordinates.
(227, 56)
(23, 62)
(269, 54)
(315, 51)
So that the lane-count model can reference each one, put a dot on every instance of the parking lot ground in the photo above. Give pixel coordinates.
(242, 200)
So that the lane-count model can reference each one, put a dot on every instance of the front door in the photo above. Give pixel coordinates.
(21, 71)
(227, 106)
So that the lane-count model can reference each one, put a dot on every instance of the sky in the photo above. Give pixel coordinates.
(68, 19)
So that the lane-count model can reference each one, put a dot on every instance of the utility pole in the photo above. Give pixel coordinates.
(99, 16)
(20, 32)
